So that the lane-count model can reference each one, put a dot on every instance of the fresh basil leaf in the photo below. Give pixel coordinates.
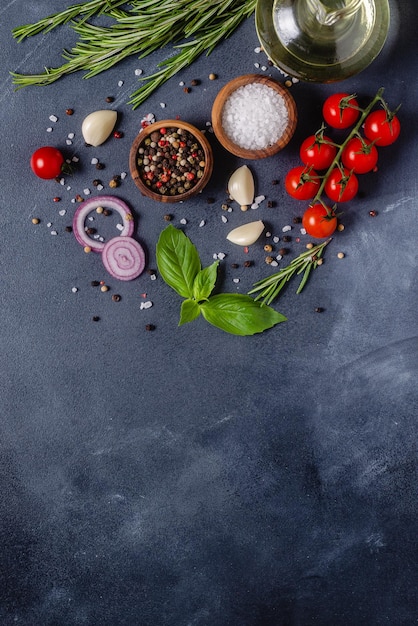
(189, 311)
(239, 314)
(177, 260)
(205, 281)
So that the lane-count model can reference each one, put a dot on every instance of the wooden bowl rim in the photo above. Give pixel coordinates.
(200, 138)
(225, 93)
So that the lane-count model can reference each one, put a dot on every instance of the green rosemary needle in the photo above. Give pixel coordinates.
(147, 26)
(269, 288)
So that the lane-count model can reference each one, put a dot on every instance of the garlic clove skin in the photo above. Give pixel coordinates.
(97, 126)
(241, 186)
(247, 234)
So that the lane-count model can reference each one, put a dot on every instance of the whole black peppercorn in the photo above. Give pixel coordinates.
(150, 327)
(286, 239)
(96, 318)
(116, 297)
(95, 283)
(110, 99)
(248, 263)
(319, 309)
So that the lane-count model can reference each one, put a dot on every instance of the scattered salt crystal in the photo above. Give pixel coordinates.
(257, 65)
(286, 229)
(268, 233)
(101, 239)
(202, 223)
(229, 209)
(68, 142)
(49, 224)
(183, 221)
(224, 219)
(163, 105)
(181, 83)
(146, 305)
(70, 135)
(303, 231)
(74, 289)
(54, 232)
(90, 218)
(274, 264)
(62, 212)
(68, 188)
(264, 68)
(214, 255)
(123, 175)
(119, 226)
(53, 118)
(259, 199)
(99, 187)
(276, 239)
(94, 161)
(153, 277)
(279, 257)
(73, 200)
(254, 116)
(257, 50)
(75, 159)
(138, 72)
(235, 280)
(86, 192)
(221, 256)
(62, 181)
(208, 124)
(49, 129)
(120, 83)
(295, 80)
(255, 205)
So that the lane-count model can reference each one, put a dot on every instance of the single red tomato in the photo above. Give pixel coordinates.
(319, 221)
(340, 110)
(302, 182)
(382, 127)
(359, 155)
(47, 162)
(341, 185)
(317, 151)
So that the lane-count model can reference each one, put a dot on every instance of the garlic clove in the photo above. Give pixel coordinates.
(241, 186)
(97, 126)
(247, 234)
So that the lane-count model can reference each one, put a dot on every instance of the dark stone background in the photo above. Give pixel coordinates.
(185, 476)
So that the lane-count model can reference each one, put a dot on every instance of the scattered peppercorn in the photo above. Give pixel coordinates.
(35, 220)
(94, 283)
(269, 259)
(100, 166)
(210, 200)
(297, 220)
(340, 227)
(372, 213)
(286, 239)
(271, 204)
(283, 251)
(168, 217)
(79, 198)
(151, 272)
(150, 327)
(106, 212)
(87, 249)
(118, 134)
(248, 263)
(186, 89)
(109, 99)
(96, 318)
(275, 182)
(234, 266)
(212, 76)
(309, 245)
(319, 309)
(341, 255)
(91, 231)
(68, 229)
(268, 247)
(104, 288)
(113, 183)
(96, 182)
(69, 111)
(57, 199)
(288, 83)
(116, 297)
(195, 82)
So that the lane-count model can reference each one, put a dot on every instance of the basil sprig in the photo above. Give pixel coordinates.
(180, 267)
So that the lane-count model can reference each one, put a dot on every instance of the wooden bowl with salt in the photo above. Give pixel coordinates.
(254, 116)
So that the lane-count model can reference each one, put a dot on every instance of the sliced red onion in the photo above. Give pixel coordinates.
(91, 204)
(124, 258)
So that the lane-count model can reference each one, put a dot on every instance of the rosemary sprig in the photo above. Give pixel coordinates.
(269, 288)
(149, 25)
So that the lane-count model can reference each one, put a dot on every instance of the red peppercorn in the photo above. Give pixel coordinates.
(56, 199)
(118, 134)
(189, 175)
(163, 131)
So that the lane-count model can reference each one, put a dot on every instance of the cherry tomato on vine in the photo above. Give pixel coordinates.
(382, 127)
(302, 182)
(341, 185)
(47, 162)
(359, 155)
(340, 110)
(318, 152)
(319, 221)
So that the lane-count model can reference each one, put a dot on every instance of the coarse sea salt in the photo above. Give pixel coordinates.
(254, 116)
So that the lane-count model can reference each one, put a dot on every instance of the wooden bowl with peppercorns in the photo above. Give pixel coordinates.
(254, 116)
(171, 161)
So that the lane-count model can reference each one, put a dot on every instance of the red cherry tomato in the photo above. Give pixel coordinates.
(319, 221)
(47, 162)
(318, 152)
(359, 155)
(382, 127)
(341, 185)
(302, 182)
(340, 110)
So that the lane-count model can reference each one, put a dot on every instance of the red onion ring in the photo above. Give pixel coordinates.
(89, 205)
(124, 258)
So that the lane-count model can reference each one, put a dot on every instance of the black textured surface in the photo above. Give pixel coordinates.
(185, 476)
